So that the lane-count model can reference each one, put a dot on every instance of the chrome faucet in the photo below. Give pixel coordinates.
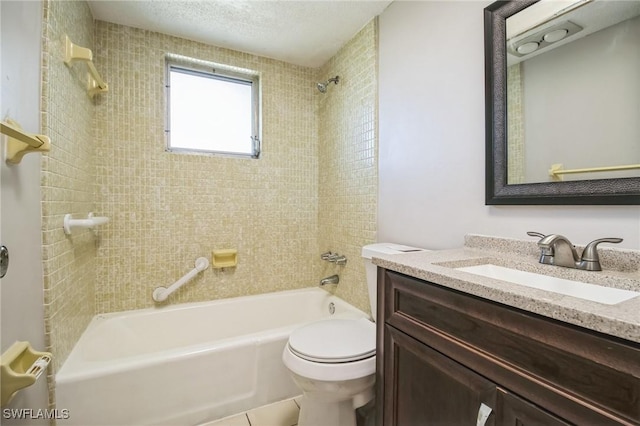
(336, 258)
(333, 279)
(557, 250)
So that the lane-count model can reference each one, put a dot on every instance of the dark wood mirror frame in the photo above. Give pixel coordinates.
(598, 191)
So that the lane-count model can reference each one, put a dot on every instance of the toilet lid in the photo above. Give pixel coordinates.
(335, 340)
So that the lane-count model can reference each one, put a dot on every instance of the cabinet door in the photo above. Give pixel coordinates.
(424, 387)
(514, 411)
(583, 377)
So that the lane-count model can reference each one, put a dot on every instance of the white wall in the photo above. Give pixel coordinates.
(21, 299)
(596, 109)
(431, 154)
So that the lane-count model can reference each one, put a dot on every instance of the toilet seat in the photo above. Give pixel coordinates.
(327, 372)
(334, 341)
(332, 350)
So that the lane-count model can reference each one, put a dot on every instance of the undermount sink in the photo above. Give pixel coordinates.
(592, 292)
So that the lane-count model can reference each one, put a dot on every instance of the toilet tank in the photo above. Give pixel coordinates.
(372, 250)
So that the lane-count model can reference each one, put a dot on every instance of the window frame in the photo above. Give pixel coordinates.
(222, 73)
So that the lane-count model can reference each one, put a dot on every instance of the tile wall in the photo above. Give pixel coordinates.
(67, 178)
(348, 167)
(167, 209)
(314, 188)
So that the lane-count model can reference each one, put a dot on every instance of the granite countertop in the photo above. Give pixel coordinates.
(620, 270)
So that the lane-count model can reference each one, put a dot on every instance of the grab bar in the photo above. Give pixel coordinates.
(160, 294)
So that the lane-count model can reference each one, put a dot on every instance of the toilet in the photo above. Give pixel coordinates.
(333, 361)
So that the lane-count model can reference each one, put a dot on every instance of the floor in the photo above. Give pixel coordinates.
(283, 413)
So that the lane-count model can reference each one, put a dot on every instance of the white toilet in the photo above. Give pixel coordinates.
(333, 361)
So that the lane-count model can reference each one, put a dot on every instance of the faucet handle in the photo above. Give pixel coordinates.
(544, 250)
(325, 256)
(341, 260)
(590, 252)
(535, 234)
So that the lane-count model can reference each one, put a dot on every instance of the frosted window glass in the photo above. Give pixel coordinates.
(210, 113)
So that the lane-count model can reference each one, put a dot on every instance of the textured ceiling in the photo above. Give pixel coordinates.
(304, 32)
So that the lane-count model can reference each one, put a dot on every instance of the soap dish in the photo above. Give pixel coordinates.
(224, 258)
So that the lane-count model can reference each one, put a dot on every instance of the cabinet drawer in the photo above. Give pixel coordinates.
(573, 370)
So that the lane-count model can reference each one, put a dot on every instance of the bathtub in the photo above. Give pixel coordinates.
(188, 364)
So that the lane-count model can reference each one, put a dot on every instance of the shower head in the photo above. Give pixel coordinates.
(322, 87)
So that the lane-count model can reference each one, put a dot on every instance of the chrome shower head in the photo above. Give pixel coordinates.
(322, 87)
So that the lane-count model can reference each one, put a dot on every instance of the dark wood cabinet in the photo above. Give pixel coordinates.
(514, 411)
(431, 388)
(445, 358)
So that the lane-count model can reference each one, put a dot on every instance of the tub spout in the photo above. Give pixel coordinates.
(333, 279)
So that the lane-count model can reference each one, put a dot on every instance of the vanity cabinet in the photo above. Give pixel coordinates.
(446, 358)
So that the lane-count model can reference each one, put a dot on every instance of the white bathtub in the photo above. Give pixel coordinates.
(187, 364)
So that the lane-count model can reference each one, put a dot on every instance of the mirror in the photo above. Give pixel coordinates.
(562, 102)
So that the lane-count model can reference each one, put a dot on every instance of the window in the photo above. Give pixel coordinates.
(211, 111)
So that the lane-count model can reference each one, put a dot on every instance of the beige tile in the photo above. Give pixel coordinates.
(319, 150)
(239, 420)
(283, 413)
(347, 163)
(246, 204)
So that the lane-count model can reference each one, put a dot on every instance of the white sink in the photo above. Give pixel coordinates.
(595, 293)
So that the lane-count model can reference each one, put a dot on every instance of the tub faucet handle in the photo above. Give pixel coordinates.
(326, 255)
(341, 260)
